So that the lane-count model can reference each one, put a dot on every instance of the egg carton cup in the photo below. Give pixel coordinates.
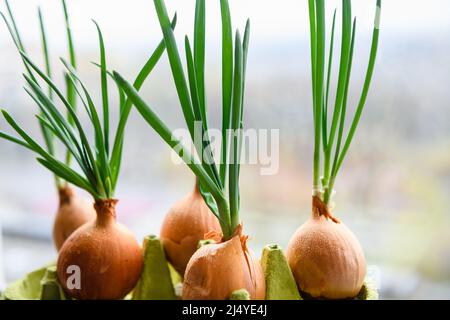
(160, 281)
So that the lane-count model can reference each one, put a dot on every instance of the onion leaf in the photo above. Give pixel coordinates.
(325, 109)
(237, 132)
(176, 66)
(199, 54)
(70, 90)
(227, 84)
(104, 84)
(318, 84)
(116, 155)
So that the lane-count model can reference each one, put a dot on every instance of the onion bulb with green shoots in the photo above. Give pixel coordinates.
(72, 211)
(325, 256)
(184, 226)
(215, 270)
(106, 254)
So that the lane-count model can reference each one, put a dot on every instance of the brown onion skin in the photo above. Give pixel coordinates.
(108, 255)
(184, 226)
(326, 258)
(216, 270)
(72, 213)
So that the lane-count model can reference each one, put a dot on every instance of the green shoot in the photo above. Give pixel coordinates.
(319, 61)
(14, 31)
(104, 83)
(236, 126)
(191, 93)
(70, 90)
(227, 84)
(99, 173)
(199, 54)
(48, 67)
(324, 187)
(148, 67)
(325, 110)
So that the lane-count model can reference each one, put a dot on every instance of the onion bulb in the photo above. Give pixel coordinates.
(184, 226)
(325, 256)
(106, 254)
(216, 270)
(72, 213)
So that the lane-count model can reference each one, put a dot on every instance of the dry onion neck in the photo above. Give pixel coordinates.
(218, 237)
(321, 209)
(66, 195)
(106, 211)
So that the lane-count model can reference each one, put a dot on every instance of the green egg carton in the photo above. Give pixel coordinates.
(41, 284)
(160, 281)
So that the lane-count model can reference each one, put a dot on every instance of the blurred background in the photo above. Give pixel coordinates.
(392, 191)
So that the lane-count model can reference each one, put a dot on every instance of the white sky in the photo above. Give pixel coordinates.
(134, 22)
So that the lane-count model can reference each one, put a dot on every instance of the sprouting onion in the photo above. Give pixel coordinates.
(208, 274)
(103, 249)
(189, 219)
(72, 210)
(326, 258)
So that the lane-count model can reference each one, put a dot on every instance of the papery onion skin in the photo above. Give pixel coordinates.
(216, 270)
(73, 212)
(109, 258)
(184, 226)
(326, 258)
